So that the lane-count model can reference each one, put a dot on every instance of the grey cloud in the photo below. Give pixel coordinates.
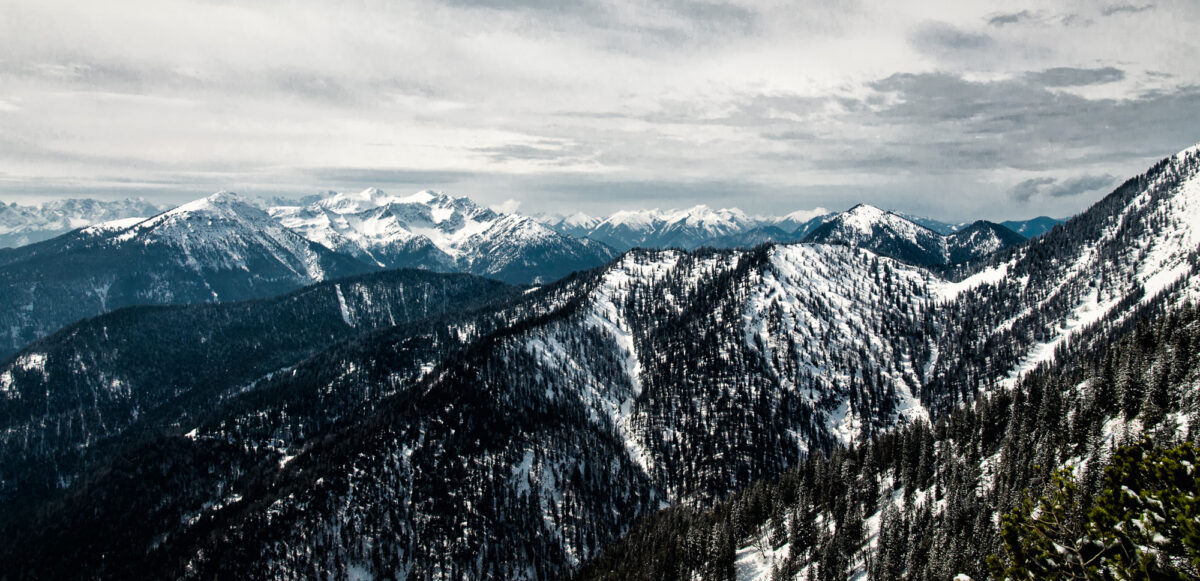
(1054, 188)
(342, 88)
(383, 177)
(699, 18)
(310, 86)
(552, 151)
(1074, 19)
(791, 135)
(950, 122)
(938, 38)
(1023, 191)
(507, 152)
(1000, 20)
(718, 15)
(1073, 77)
(521, 4)
(1125, 8)
(1080, 185)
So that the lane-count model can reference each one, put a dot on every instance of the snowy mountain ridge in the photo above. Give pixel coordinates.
(21, 225)
(214, 248)
(732, 228)
(218, 232)
(1136, 246)
(439, 232)
(892, 234)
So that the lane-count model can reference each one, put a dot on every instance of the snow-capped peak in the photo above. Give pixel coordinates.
(869, 227)
(427, 229)
(703, 216)
(801, 216)
(579, 219)
(211, 202)
(223, 204)
(20, 225)
(863, 218)
(421, 197)
(634, 219)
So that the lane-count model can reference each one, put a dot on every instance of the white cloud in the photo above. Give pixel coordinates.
(518, 100)
(508, 206)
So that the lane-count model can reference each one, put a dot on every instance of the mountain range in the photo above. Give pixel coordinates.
(21, 225)
(522, 433)
(442, 233)
(226, 248)
(731, 228)
(216, 248)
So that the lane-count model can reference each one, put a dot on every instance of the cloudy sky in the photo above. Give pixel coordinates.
(955, 110)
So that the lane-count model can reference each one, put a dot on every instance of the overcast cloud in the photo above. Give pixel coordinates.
(955, 110)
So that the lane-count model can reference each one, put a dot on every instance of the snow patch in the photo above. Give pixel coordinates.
(342, 305)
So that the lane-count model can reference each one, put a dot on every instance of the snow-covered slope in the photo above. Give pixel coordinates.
(1138, 245)
(21, 225)
(688, 229)
(892, 234)
(214, 249)
(577, 224)
(435, 231)
(866, 226)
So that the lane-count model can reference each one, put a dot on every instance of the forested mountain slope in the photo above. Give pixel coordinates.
(1052, 355)
(68, 396)
(1026, 302)
(925, 501)
(640, 364)
(214, 249)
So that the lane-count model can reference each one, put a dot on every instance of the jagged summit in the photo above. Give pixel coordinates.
(21, 225)
(697, 226)
(436, 231)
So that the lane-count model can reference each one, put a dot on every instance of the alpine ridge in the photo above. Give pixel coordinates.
(891, 234)
(438, 232)
(215, 248)
(688, 229)
(21, 225)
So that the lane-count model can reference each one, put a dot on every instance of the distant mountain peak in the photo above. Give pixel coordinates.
(892, 234)
(434, 230)
(21, 225)
(863, 217)
(224, 204)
